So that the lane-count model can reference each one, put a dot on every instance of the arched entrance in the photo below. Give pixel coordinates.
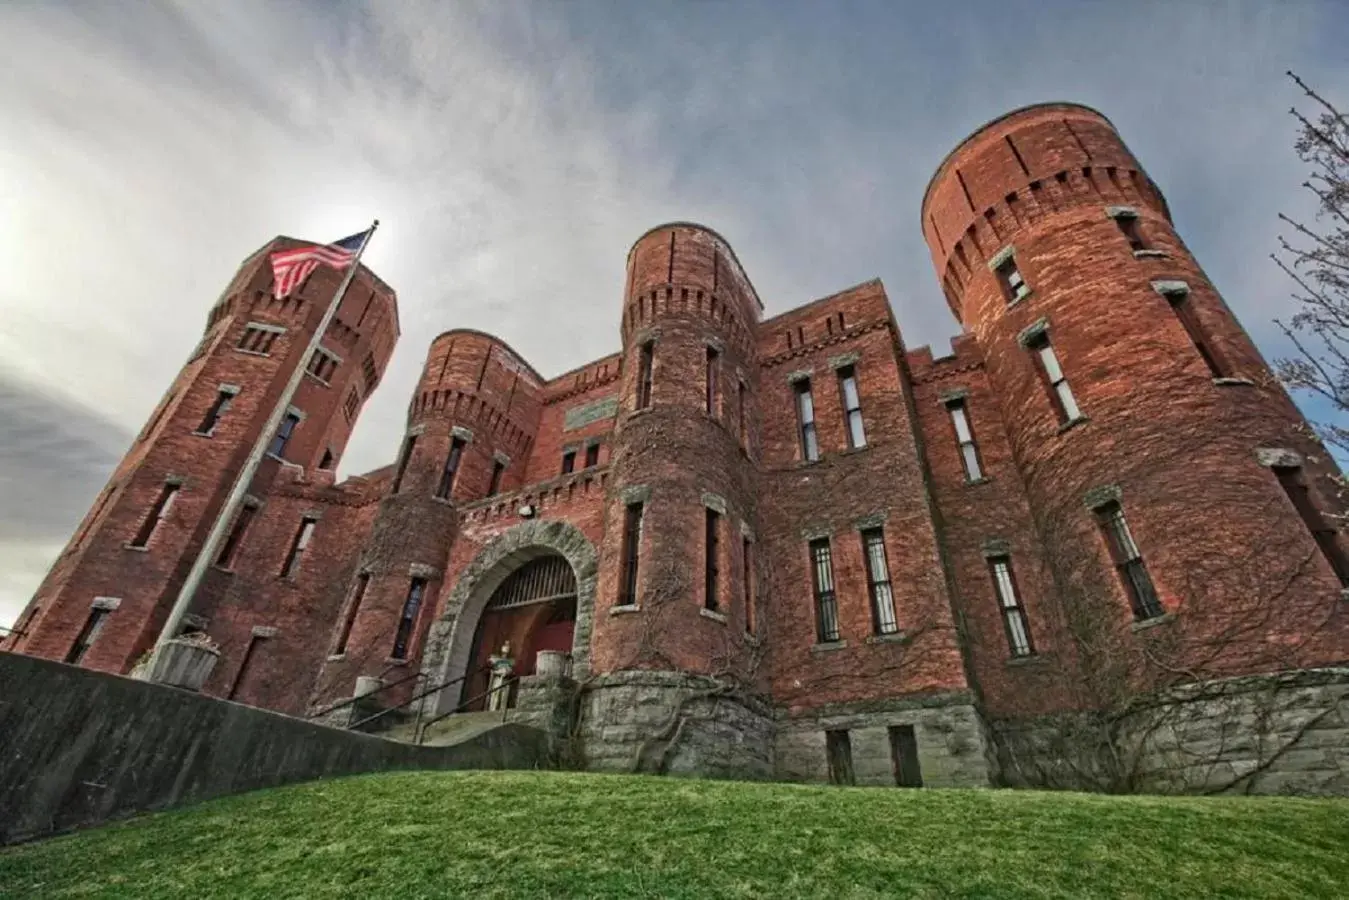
(533, 609)
(454, 640)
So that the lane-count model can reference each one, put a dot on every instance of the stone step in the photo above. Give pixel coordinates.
(449, 730)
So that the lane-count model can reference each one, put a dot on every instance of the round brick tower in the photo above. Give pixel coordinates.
(683, 482)
(469, 429)
(1152, 437)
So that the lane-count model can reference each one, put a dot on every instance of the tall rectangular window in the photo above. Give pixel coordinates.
(350, 405)
(409, 444)
(711, 551)
(322, 365)
(408, 618)
(904, 756)
(1009, 601)
(223, 398)
(236, 535)
(88, 634)
(1129, 564)
(568, 462)
(969, 454)
(592, 455)
(1014, 286)
(283, 434)
(852, 407)
(838, 751)
(1060, 395)
(158, 512)
(298, 546)
(878, 582)
(258, 338)
(494, 483)
(1294, 484)
(353, 607)
(644, 365)
(805, 416)
(1189, 320)
(713, 363)
(1129, 227)
(747, 558)
(632, 540)
(451, 468)
(826, 605)
(244, 665)
(740, 412)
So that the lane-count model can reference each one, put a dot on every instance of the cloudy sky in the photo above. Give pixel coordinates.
(513, 151)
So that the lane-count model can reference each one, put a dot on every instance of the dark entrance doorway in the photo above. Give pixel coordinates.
(533, 609)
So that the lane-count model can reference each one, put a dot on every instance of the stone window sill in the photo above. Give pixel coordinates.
(638, 412)
(1018, 662)
(1145, 624)
(853, 450)
(983, 479)
(1073, 423)
(898, 637)
(1150, 254)
(712, 614)
(623, 610)
(336, 657)
(225, 569)
(250, 352)
(203, 434)
(312, 376)
(442, 500)
(828, 646)
(395, 661)
(1233, 382)
(130, 546)
(751, 639)
(1017, 301)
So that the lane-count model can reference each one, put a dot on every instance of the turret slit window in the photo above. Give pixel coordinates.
(409, 444)
(236, 535)
(644, 367)
(158, 512)
(298, 547)
(568, 462)
(88, 634)
(740, 413)
(353, 607)
(852, 407)
(747, 558)
(1294, 484)
(711, 562)
(1133, 574)
(494, 485)
(1014, 286)
(322, 365)
(713, 362)
(632, 540)
(451, 467)
(408, 618)
(878, 582)
(805, 413)
(350, 405)
(1060, 395)
(1009, 601)
(1129, 227)
(283, 435)
(826, 604)
(223, 398)
(969, 453)
(592, 455)
(1184, 309)
(259, 338)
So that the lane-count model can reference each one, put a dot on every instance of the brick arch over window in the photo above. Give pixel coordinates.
(448, 647)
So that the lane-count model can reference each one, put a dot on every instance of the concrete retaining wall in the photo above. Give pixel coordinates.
(79, 748)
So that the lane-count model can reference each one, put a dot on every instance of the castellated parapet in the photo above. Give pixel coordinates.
(781, 547)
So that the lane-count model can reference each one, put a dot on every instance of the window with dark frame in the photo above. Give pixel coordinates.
(257, 339)
(632, 539)
(322, 365)
(713, 363)
(747, 559)
(223, 398)
(1013, 612)
(450, 469)
(592, 455)
(409, 444)
(805, 415)
(407, 619)
(826, 604)
(568, 462)
(1133, 573)
(1014, 286)
(852, 407)
(1184, 309)
(1293, 481)
(969, 453)
(1129, 227)
(284, 431)
(494, 483)
(353, 607)
(298, 546)
(236, 535)
(711, 560)
(1051, 373)
(644, 365)
(883, 619)
(87, 635)
(158, 512)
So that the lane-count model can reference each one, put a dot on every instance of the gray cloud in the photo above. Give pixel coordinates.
(514, 150)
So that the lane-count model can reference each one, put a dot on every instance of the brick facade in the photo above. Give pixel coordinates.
(1173, 416)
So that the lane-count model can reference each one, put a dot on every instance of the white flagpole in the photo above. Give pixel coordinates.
(250, 467)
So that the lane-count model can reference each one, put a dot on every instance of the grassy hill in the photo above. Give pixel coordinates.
(517, 835)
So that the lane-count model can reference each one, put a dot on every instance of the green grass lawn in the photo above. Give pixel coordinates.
(516, 835)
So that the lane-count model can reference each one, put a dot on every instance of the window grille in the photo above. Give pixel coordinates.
(543, 580)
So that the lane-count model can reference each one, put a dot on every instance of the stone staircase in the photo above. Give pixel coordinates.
(449, 730)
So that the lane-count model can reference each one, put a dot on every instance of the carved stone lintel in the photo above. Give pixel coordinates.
(1278, 457)
(1100, 496)
(844, 359)
(1033, 332)
(996, 547)
(1168, 288)
(264, 631)
(799, 375)
(997, 259)
(815, 532)
(462, 433)
(422, 570)
(952, 395)
(714, 502)
(635, 493)
(875, 520)
(1121, 212)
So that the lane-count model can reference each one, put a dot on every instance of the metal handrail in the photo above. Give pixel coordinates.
(414, 698)
(357, 699)
(421, 727)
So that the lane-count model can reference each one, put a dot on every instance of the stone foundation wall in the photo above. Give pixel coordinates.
(677, 731)
(948, 731)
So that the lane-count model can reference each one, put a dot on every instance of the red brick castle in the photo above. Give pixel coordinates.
(780, 547)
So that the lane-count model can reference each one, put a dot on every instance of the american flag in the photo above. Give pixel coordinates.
(291, 267)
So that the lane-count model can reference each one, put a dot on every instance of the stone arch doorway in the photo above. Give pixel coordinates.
(456, 638)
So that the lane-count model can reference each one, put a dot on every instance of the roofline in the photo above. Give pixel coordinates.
(492, 337)
(827, 297)
(922, 207)
(712, 231)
